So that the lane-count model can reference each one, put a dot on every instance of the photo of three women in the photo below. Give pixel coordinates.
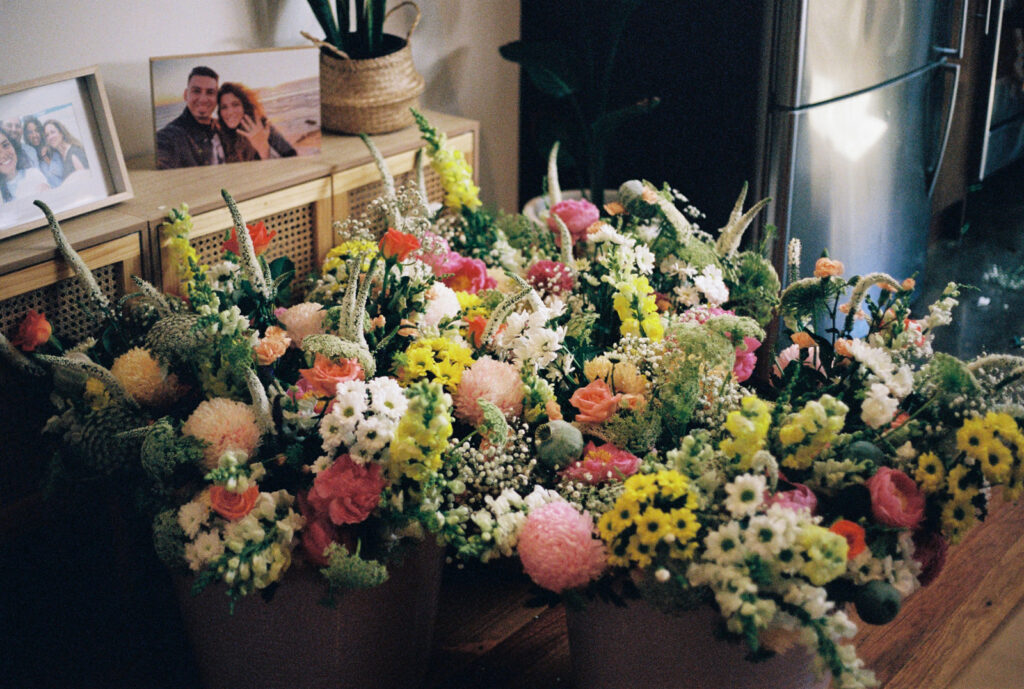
(221, 123)
(37, 156)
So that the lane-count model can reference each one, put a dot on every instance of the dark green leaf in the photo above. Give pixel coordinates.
(609, 122)
(547, 63)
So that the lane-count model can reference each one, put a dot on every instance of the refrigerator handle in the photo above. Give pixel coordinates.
(955, 68)
(958, 51)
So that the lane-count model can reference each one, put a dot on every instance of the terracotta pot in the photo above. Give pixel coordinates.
(642, 648)
(373, 639)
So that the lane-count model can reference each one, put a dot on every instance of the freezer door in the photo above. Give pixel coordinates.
(853, 175)
(824, 49)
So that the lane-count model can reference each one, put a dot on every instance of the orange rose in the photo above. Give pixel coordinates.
(854, 535)
(395, 244)
(34, 331)
(826, 267)
(802, 340)
(325, 375)
(595, 402)
(233, 506)
(259, 235)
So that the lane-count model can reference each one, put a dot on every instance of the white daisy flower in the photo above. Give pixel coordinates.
(745, 494)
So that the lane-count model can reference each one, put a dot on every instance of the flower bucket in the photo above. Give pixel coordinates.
(370, 96)
(376, 638)
(640, 647)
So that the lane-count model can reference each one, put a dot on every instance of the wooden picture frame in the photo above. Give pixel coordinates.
(90, 173)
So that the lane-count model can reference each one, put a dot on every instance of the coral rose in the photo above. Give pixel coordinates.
(895, 499)
(399, 245)
(233, 506)
(595, 402)
(347, 492)
(259, 235)
(577, 215)
(827, 267)
(558, 549)
(33, 331)
(325, 375)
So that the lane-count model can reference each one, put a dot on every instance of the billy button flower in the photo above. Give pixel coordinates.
(930, 473)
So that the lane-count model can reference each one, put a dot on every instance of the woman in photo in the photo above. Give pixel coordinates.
(50, 162)
(18, 179)
(245, 132)
(70, 149)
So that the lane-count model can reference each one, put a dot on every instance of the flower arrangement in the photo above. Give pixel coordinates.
(579, 395)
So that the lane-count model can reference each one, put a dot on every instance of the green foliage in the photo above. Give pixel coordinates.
(753, 287)
(166, 452)
(346, 571)
(365, 39)
(169, 539)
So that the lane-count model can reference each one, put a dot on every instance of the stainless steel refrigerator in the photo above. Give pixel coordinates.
(858, 98)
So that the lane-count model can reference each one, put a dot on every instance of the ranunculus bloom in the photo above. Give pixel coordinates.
(34, 331)
(558, 549)
(577, 215)
(233, 506)
(895, 499)
(326, 374)
(854, 535)
(595, 402)
(260, 239)
(469, 275)
(395, 244)
(602, 464)
(550, 277)
(347, 492)
(799, 497)
(930, 551)
(746, 360)
(827, 267)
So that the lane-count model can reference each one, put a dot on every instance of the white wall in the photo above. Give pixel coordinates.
(455, 47)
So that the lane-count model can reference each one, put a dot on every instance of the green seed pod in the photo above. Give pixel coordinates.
(559, 443)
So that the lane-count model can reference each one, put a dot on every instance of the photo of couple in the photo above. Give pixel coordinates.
(225, 121)
(37, 154)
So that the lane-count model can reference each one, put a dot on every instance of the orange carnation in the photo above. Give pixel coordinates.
(233, 506)
(34, 331)
(398, 244)
(259, 235)
(826, 267)
(854, 535)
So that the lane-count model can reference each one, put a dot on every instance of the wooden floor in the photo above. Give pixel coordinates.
(488, 638)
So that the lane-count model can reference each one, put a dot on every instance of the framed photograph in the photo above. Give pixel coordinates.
(57, 145)
(235, 107)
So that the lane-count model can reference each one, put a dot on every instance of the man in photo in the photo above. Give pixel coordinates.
(191, 138)
(14, 130)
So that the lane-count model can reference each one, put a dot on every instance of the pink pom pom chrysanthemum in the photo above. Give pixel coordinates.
(558, 549)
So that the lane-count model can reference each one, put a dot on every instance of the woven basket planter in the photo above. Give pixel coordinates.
(640, 647)
(370, 96)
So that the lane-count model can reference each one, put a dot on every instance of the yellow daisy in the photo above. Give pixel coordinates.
(930, 473)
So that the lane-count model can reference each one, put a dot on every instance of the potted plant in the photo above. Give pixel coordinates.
(368, 80)
(575, 72)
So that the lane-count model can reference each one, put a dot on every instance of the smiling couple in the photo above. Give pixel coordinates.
(240, 130)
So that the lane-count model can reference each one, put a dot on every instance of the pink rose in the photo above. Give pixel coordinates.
(799, 498)
(746, 360)
(602, 464)
(595, 402)
(347, 492)
(469, 275)
(577, 216)
(895, 499)
(325, 375)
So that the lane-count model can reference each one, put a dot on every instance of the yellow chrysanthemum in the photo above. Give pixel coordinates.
(958, 516)
(930, 474)
(653, 526)
(960, 484)
(997, 464)
(640, 553)
(972, 438)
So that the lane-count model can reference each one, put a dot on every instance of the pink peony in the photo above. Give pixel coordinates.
(595, 402)
(469, 275)
(224, 425)
(558, 549)
(551, 277)
(746, 360)
(494, 381)
(895, 499)
(302, 319)
(347, 492)
(601, 464)
(799, 498)
(577, 215)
